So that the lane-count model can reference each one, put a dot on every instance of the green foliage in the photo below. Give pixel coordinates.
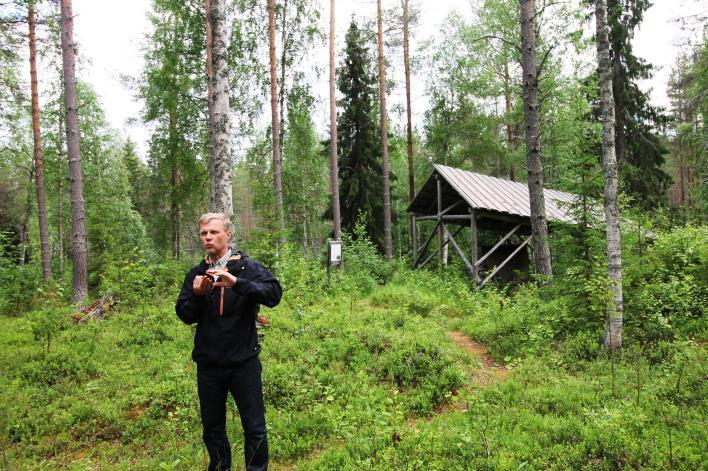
(364, 265)
(640, 151)
(666, 292)
(420, 366)
(174, 84)
(18, 283)
(360, 167)
(364, 381)
(48, 325)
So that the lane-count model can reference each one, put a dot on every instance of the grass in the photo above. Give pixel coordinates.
(353, 381)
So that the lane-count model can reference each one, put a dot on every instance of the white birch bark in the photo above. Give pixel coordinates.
(613, 330)
(220, 125)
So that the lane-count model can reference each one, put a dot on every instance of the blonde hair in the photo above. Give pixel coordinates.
(223, 217)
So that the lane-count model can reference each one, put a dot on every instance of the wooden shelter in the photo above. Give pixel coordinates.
(457, 199)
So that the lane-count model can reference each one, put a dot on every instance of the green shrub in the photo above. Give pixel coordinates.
(423, 370)
(18, 283)
(667, 289)
(61, 366)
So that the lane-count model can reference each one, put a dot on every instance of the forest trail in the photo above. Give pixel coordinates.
(489, 371)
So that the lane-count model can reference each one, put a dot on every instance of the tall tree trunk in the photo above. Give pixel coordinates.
(275, 119)
(511, 141)
(24, 226)
(613, 330)
(539, 225)
(282, 90)
(38, 160)
(78, 229)
(220, 126)
(409, 125)
(175, 190)
(388, 249)
(60, 194)
(210, 104)
(333, 163)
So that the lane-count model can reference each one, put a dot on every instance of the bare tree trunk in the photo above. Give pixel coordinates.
(78, 229)
(388, 249)
(409, 125)
(333, 163)
(210, 104)
(24, 226)
(539, 225)
(176, 183)
(304, 234)
(60, 195)
(220, 126)
(511, 141)
(613, 330)
(38, 160)
(275, 119)
(282, 91)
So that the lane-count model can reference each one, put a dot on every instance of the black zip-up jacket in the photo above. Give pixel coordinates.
(226, 328)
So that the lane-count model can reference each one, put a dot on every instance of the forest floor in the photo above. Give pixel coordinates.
(490, 371)
(398, 378)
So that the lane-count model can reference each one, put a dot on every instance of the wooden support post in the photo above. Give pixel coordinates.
(440, 229)
(497, 245)
(422, 250)
(475, 246)
(433, 254)
(446, 217)
(501, 265)
(451, 238)
(414, 237)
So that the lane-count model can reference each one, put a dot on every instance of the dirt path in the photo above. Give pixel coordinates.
(489, 371)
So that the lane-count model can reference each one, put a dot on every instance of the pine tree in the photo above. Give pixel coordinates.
(539, 223)
(79, 247)
(333, 162)
(275, 129)
(38, 159)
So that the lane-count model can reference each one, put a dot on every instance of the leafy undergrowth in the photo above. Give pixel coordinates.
(364, 375)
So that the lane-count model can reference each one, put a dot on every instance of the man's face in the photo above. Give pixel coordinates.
(214, 237)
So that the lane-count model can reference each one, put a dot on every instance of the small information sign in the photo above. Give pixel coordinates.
(334, 252)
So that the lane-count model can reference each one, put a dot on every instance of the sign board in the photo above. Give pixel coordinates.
(334, 252)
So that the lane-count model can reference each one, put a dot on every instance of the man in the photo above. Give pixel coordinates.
(221, 295)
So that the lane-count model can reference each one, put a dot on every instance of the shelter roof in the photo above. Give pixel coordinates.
(487, 193)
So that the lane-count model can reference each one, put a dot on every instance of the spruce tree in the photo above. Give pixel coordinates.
(640, 152)
(360, 167)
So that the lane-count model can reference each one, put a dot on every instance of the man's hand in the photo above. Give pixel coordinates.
(201, 285)
(223, 277)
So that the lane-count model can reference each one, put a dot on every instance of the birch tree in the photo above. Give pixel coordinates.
(613, 330)
(38, 159)
(539, 223)
(79, 254)
(388, 250)
(210, 104)
(219, 120)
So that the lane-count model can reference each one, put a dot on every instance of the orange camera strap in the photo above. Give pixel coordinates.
(221, 300)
